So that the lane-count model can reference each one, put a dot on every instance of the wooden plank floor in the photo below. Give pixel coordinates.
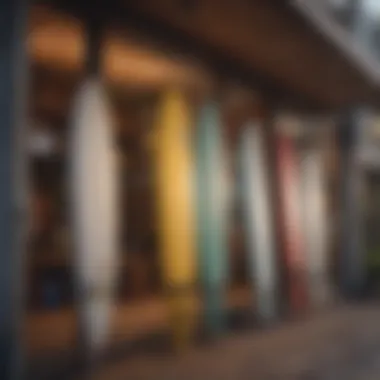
(342, 344)
(56, 330)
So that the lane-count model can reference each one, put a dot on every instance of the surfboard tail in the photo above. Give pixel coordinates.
(182, 317)
(215, 318)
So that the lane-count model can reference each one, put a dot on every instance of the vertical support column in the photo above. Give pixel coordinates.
(352, 258)
(13, 181)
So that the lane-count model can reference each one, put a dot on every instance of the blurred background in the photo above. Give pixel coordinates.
(194, 189)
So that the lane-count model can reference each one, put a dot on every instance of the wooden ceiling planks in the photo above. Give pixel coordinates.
(130, 66)
(56, 41)
(267, 37)
(339, 37)
(260, 42)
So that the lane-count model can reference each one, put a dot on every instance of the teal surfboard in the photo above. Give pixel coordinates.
(213, 206)
(258, 225)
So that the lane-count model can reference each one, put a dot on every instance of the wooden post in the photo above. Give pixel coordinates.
(13, 93)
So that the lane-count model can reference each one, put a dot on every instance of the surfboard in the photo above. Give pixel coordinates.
(258, 222)
(352, 260)
(289, 222)
(315, 224)
(175, 211)
(212, 199)
(93, 190)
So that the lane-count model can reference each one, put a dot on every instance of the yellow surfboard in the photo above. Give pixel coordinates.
(175, 211)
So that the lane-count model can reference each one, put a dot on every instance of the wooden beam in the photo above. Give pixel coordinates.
(267, 45)
(206, 60)
(345, 41)
(268, 39)
(56, 41)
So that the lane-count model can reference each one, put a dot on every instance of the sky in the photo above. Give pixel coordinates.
(373, 6)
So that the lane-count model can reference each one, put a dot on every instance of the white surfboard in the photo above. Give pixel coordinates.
(258, 221)
(315, 224)
(93, 190)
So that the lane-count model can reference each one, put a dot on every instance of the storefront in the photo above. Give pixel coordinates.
(225, 82)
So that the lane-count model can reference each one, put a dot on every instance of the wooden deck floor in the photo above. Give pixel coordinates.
(344, 344)
(340, 344)
(56, 330)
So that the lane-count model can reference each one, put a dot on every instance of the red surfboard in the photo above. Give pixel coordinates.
(290, 227)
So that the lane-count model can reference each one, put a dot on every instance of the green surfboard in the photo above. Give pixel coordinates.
(212, 200)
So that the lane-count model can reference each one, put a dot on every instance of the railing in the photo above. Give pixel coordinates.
(352, 25)
(361, 18)
(344, 12)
